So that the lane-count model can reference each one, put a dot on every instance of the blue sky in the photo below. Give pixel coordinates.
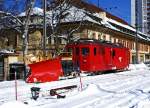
(120, 8)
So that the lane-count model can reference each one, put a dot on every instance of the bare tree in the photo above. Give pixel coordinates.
(11, 21)
(61, 12)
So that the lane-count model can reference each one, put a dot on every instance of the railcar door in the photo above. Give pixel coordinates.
(120, 58)
(81, 58)
(85, 58)
(108, 58)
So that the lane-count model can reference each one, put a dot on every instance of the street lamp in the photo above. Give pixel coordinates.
(44, 29)
(136, 46)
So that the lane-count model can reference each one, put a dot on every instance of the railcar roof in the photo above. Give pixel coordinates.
(101, 42)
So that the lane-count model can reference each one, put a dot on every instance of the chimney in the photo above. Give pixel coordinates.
(103, 16)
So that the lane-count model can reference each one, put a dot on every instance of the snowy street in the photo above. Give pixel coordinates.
(129, 89)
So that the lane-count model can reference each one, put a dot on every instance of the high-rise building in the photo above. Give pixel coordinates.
(1, 5)
(140, 15)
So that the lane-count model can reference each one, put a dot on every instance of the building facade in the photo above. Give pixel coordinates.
(140, 14)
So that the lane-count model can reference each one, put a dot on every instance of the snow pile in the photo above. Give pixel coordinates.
(91, 90)
(140, 66)
(14, 104)
(144, 104)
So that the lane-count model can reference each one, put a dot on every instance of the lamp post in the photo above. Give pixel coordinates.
(136, 37)
(98, 2)
(44, 30)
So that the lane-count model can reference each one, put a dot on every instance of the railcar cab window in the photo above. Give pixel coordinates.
(94, 51)
(77, 51)
(85, 51)
(113, 53)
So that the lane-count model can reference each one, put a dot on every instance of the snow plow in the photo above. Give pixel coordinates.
(45, 71)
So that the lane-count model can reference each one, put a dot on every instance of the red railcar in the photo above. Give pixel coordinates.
(88, 55)
(91, 55)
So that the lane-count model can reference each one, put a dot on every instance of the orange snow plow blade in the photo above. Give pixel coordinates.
(45, 71)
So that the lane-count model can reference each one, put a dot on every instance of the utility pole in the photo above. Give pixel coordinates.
(44, 29)
(98, 2)
(136, 37)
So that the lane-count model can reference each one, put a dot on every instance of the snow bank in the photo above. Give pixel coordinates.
(140, 66)
(91, 90)
(14, 104)
(144, 104)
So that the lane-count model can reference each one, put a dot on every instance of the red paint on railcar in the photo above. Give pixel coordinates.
(45, 71)
(94, 56)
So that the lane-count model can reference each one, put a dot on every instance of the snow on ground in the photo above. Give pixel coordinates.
(14, 104)
(129, 89)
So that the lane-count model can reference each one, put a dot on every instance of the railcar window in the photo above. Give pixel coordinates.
(85, 51)
(113, 53)
(95, 51)
(77, 51)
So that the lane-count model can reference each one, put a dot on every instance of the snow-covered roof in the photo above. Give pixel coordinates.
(120, 24)
(5, 51)
(74, 14)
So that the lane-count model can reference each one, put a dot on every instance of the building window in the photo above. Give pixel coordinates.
(99, 37)
(57, 40)
(104, 37)
(124, 43)
(93, 36)
(115, 40)
(132, 46)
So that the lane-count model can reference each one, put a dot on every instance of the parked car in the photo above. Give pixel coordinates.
(147, 63)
